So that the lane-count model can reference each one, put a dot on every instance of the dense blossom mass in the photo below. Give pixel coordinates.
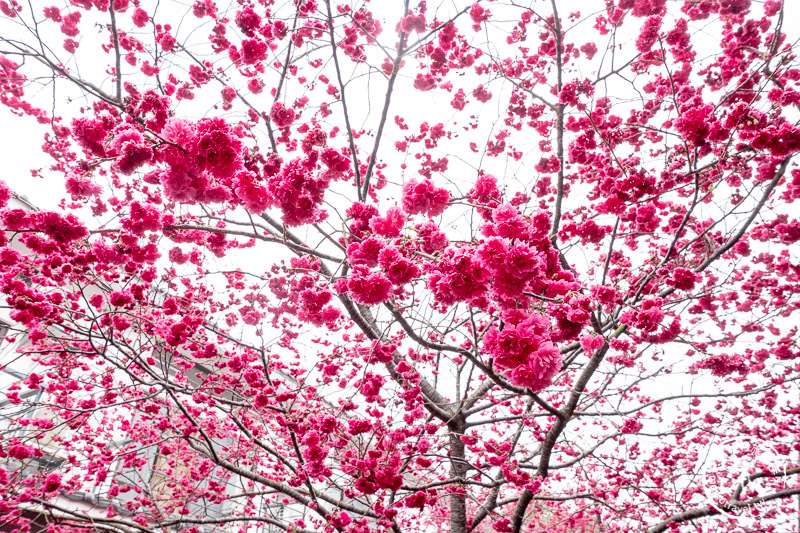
(364, 266)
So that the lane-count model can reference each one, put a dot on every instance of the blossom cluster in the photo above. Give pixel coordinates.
(525, 351)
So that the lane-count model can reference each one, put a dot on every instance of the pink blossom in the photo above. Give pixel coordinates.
(69, 26)
(91, 135)
(298, 192)
(589, 49)
(365, 252)
(631, 426)
(683, 279)
(253, 51)
(424, 197)
(132, 149)
(485, 193)
(82, 188)
(478, 14)
(458, 276)
(334, 160)
(166, 40)
(144, 217)
(22, 452)
(424, 82)
(508, 222)
(648, 317)
(369, 288)
(649, 34)
(390, 224)
(416, 500)
(357, 427)
(724, 364)
(281, 116)
(248, 21)
(52, 13)
(513, 345)
(140, 17)
(481, 94)
(62, 229)
(253, 196)
(694, 123)
(217, 147)
(412, 23)
(5, 194)
(643, 8)
(433, 239)
(398, 269)
(538, 373)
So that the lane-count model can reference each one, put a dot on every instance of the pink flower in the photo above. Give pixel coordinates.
(538, 373)
(589, 49)
(340, 520)
(647, 318)
(183, 135)
(459, 100)
(217, 147)
(683, 279)
(334, 160)
(458, 276)
(120, 298)
(478, 14)
(253, 196)
(357, 427)
(424, 82)
(70, 45)
(253, 51)
(361, 215)
(508, 222)
(416, 500)
(5, 194)
(365, 252)
(248, 21)
(281, 116)
(525, 350)
(144, 217)
(510, 347)
(424, 197)
(412, 23)
(91, 135)
(370, 386)
(255, 86)
(52, 13)
(398, 269)
(390, 224)
(21, 451)
(166, 40)
(643, 8)
(82, 188)
(724, 364)
(132, 148)
(369, 288)
(630, 426)
(60, 229)
(433, 239)
(649, 34)
(388, 478)
(481, 94)
(485, 193)
(140, 17)
(298, 192)
(69, 25)
(694, 123)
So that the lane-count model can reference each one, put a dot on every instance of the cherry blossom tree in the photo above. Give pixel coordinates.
(402, 266)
